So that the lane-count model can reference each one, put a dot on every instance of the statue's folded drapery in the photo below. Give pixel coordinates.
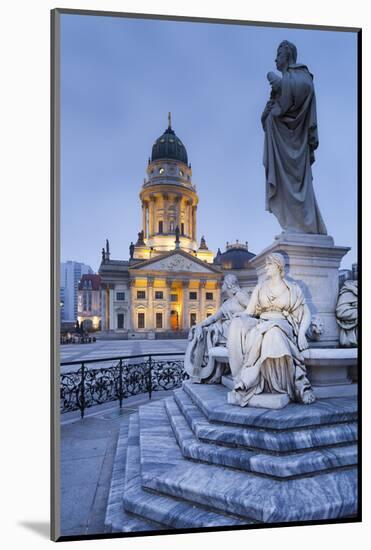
(290, 140)
(347, 314)
(263, 353)
(196, 360)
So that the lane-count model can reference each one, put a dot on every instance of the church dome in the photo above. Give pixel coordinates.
(169, 146)
(236, 256)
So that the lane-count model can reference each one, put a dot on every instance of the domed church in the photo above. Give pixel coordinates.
(170, 281)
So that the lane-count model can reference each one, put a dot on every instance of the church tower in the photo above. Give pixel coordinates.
(169, 201)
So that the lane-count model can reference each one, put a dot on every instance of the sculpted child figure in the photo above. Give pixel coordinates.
(212, 332)
(265, 342)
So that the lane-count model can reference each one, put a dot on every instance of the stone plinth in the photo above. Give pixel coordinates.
(313, 261)
(328, 367)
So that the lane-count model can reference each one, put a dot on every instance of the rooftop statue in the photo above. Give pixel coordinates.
(265, 342)
(290, 124)
(131, 250)
(213, 331)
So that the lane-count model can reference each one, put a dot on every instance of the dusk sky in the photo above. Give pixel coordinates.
(119, 79)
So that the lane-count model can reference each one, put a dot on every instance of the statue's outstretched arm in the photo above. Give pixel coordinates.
(212, 319)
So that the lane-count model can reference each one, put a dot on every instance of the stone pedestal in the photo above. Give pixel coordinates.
(313, 261)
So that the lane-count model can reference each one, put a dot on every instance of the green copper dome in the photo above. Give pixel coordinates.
(169, 146)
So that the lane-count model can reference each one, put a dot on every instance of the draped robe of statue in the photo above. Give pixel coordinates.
(347, 314)
(263, 352)
(196, 360)
(290, 140)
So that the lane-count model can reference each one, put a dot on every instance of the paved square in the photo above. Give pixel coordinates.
(117, 348)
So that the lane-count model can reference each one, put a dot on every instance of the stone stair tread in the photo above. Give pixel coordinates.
(290, 465)
(164, 469)
(212, 400)
(264, 439)
(117, 520)
(163, 509)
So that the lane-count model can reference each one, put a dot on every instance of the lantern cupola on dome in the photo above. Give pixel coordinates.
(169, 146)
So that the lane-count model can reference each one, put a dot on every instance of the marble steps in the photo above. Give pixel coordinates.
(268, 440)
(242, 494)
(212, 401)
(278, 466)
(117, 520)
(164, 510)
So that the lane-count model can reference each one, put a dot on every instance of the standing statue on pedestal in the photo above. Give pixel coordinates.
(265, 343)
(290, 125)
(347, 314)
(213, 331)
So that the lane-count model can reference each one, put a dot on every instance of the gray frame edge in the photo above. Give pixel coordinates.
(194, 19)
(55, 489)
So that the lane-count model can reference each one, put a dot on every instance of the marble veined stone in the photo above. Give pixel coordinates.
(246, 495)
(181, 411)
(212, 401)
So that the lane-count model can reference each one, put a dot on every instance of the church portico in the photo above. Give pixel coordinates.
(164, 300)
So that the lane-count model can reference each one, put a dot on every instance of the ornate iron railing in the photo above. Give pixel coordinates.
(126, 376)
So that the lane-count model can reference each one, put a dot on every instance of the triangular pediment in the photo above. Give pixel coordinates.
(175, 261)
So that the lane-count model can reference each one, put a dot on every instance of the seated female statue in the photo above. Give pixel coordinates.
(211, 332)
(265, 342)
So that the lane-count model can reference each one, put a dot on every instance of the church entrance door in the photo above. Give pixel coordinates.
(174, 320)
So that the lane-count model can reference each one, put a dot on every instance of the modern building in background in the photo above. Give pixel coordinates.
(171, 281)
(89, 302)
(348, 275)
(70, 275)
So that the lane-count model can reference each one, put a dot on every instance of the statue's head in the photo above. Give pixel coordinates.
(274, 263)
(230, 284)
(286, 55)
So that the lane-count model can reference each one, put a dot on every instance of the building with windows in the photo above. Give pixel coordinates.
(170, 282)
(89, 302)
(348, 275)
(70, 275)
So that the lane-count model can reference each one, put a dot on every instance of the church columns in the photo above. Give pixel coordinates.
(144, 219)
(177, 202)
(202, 312)
(111, 310)
(194, 217)
(168, 304)
(218, 291)
(185, 316)
(189, 219)
(150, 322)
(133, 321)
(152, 215)
(165, 198)
(106, 302)
(103, 308)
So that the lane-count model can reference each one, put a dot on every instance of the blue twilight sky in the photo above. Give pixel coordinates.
(119, 79)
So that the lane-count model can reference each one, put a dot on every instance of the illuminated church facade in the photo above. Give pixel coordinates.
(170, 282)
